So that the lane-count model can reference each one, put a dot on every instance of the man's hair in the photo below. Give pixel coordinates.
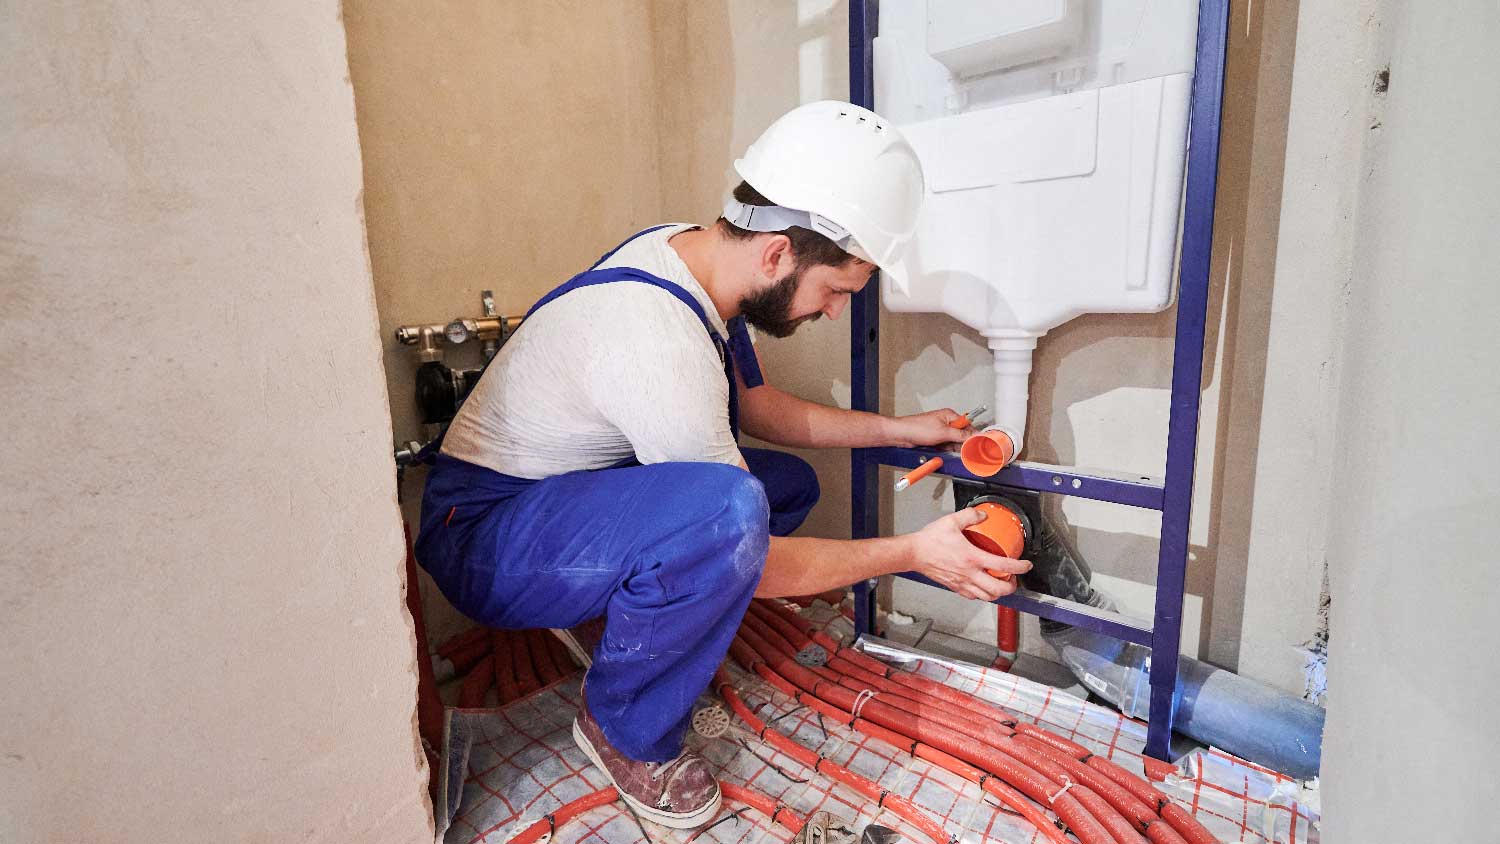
(809, 248)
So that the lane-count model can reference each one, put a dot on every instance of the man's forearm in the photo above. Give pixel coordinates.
(799, 565)
(779, 417)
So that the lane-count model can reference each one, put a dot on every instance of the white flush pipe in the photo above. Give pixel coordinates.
(1013, 350)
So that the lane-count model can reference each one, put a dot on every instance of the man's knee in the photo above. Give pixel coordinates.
(742, 520)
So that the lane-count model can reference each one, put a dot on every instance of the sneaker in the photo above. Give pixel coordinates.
(680, 793)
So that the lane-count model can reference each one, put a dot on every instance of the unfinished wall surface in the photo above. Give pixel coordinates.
(205, 635)
(506, 146)
(1411, 741)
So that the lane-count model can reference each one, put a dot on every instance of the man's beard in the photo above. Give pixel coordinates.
(770, 310)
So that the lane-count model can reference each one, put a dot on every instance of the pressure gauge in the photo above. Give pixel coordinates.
(459, 331)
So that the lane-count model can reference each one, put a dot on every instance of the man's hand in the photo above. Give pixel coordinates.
(944, 554)
(930, 428)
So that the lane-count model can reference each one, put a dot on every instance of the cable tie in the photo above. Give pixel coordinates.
(880, 804)
(859, 702)
(1086, 757)
(779, 807)
(1067, 784)
(914, 748)
(551, 826)
(1011, 724)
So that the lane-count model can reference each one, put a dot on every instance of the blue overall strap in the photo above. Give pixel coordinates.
(739, 336)
(744, 353)
(724, 347)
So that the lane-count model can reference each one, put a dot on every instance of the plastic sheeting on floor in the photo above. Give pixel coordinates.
(505, 768)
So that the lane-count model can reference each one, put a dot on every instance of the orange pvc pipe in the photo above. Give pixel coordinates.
(987, 452)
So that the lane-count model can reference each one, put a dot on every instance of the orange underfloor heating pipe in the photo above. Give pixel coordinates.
(777, 812)
(1139, 802)
(487, 659)
(855, 710)
(1131, 797)
(560, 656)
(506, 689)
(898, 805)
(520, 656)
(429, 705)
(547, 673)
(476, 684)
(547, 825)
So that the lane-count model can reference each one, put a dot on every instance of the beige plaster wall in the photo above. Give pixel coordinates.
(506, 146)
(1411, 547)
(203, 621)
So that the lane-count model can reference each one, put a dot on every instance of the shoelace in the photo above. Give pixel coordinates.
(659, 769)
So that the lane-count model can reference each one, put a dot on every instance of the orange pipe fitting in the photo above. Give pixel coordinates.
(987, 452)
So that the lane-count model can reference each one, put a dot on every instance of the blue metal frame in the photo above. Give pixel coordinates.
(1172, 496)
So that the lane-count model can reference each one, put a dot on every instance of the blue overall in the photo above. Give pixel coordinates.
(669, 553)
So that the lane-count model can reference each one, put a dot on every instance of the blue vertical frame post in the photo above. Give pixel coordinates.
(1187, 368)
(864, 346)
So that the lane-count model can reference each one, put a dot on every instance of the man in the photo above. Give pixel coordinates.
(595, 470)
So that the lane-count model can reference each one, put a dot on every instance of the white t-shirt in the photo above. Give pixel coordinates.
(603, 373)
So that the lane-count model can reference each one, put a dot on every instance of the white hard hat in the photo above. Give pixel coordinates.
(848, 171)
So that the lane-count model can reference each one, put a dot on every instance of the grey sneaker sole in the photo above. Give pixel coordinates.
(674, 820)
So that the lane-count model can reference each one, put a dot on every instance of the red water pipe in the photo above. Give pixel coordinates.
(1130, 796)
(819, 764)
(1007, 636)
